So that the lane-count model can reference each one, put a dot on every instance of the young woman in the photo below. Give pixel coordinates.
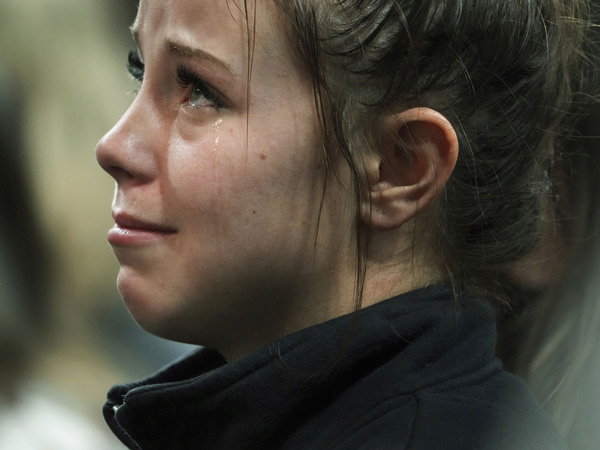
(333, 194)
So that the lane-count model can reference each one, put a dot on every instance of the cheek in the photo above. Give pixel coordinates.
(221, 164)
(236, 189)
(200, 167)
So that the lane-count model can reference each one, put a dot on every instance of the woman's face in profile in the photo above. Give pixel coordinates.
(218, 179)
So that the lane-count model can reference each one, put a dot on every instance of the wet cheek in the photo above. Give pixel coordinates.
(195, 173)
(219, 189)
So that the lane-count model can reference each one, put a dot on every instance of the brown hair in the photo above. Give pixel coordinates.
(507, 74)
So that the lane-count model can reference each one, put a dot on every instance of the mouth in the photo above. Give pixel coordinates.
(126, 221)
(130, 231)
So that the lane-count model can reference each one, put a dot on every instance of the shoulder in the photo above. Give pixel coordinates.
(500, 413)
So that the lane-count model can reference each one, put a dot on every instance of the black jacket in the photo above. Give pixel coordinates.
(415, 371)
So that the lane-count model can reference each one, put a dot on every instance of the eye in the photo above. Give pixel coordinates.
(135, 66)
(200, 93)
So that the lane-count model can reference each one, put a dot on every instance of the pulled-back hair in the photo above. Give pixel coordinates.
(507, 74)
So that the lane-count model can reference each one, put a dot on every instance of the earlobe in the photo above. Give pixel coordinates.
(418, 151)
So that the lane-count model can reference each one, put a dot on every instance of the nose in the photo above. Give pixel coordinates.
(128, 151)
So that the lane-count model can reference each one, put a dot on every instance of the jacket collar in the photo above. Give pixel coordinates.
(257, 401)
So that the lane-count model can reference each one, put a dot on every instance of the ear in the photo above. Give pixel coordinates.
(417, 153)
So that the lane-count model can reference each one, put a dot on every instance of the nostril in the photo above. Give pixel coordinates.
(118, 173)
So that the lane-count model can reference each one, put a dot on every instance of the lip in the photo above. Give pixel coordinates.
(131, 231)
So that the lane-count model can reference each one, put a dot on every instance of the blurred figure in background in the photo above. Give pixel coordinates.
(32, 415)
(23, 258)
(61, 323)
(554, 342)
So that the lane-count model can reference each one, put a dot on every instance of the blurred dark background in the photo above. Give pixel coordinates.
(65, 336)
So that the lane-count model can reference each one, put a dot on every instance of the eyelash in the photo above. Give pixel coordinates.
(135, 66)
(186, 78)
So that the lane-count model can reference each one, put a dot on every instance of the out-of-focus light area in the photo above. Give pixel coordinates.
(65, 336)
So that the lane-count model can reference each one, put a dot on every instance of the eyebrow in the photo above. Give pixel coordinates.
(185, 51)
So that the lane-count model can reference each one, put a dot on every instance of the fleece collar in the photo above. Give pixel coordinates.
(259, 400)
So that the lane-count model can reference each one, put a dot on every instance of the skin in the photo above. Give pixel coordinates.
(224, 233)
(219, 204)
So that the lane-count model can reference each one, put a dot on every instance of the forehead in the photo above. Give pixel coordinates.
(225, 28)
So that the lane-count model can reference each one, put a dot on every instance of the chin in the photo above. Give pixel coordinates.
(145, 300)
(155, 309)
